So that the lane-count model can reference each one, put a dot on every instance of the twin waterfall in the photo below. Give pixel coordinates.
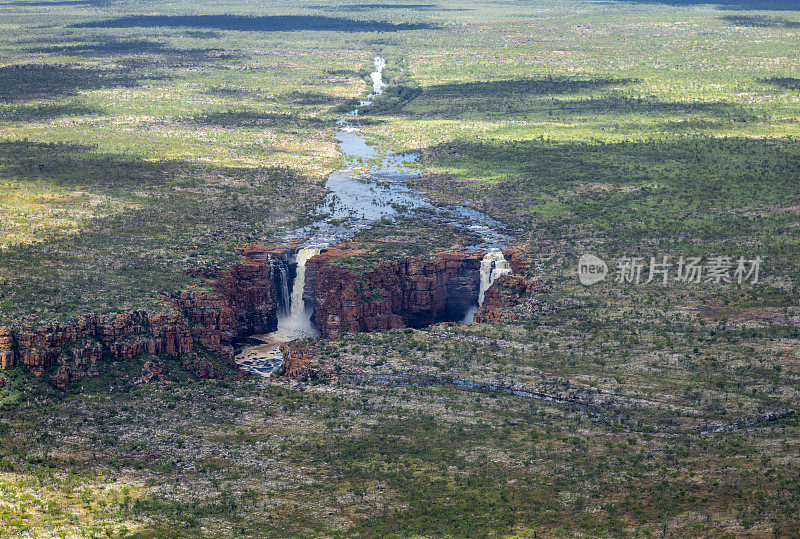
(356, 199)
(493, 265)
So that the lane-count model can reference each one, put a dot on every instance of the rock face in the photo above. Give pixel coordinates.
(511, 297)
(7, 356)
(298, 359)
(83, 342)
(407, 292)
(241, 302)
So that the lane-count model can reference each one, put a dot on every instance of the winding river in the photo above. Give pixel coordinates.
(371, 185)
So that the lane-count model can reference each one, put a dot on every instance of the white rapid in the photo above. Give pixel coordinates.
(493, 265)
(377, 76)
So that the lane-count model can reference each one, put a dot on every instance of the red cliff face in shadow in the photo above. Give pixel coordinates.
(407, 292)
(240, 302)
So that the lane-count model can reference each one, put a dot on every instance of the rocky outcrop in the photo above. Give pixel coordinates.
(83, 342)
(241, 301)
(152, 372)
(510, 298)
(299, 359)
(407, 292)
(202, 367)
(7, 356)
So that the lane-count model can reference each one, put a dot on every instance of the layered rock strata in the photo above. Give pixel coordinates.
(407, 292)
(241, 301)
(512, 297)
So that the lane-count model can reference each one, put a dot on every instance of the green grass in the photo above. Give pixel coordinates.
(622, 128)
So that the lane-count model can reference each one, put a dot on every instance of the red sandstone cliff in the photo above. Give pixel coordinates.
(510, 298)
(240, 302)
(396, 293)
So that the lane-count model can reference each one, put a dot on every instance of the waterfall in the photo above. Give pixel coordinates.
(297, 322)
(493, 265)
(283, 293)
(298, 306)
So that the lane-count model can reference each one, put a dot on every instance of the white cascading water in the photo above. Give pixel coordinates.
(493, 265)
(284, 283)
(377, 76)
(298, 323)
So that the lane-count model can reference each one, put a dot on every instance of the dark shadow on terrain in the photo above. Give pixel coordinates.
(760, 21)
(354, 8)
(46, 112)
(528, 98)
(157, 54)
(498, 96)
(34, 81)
(248, 118)
(280, 23)
(787, 83)
(732, 5)
(626, 105)
(77, 165)
(521, 87)
(683, 189)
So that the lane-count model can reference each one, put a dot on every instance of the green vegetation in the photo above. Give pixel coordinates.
(409, 235)
(140, 140)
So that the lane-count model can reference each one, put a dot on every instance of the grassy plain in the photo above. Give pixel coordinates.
(165, 138)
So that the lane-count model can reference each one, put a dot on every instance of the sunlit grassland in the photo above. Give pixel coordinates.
(657, 75)
(49, 503)
(208, 96)
(617, 128)
(132, 153)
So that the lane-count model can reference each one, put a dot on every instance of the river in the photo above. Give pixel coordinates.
(371, 185)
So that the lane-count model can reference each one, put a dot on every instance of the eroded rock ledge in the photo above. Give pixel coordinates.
(241, 301)
(406, 292)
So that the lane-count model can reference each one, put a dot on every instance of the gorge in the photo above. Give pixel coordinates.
(397, 293)
(296, 289)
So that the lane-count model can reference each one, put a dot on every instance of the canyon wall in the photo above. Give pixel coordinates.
(406, 292)
(511, 297)
(240, 301)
